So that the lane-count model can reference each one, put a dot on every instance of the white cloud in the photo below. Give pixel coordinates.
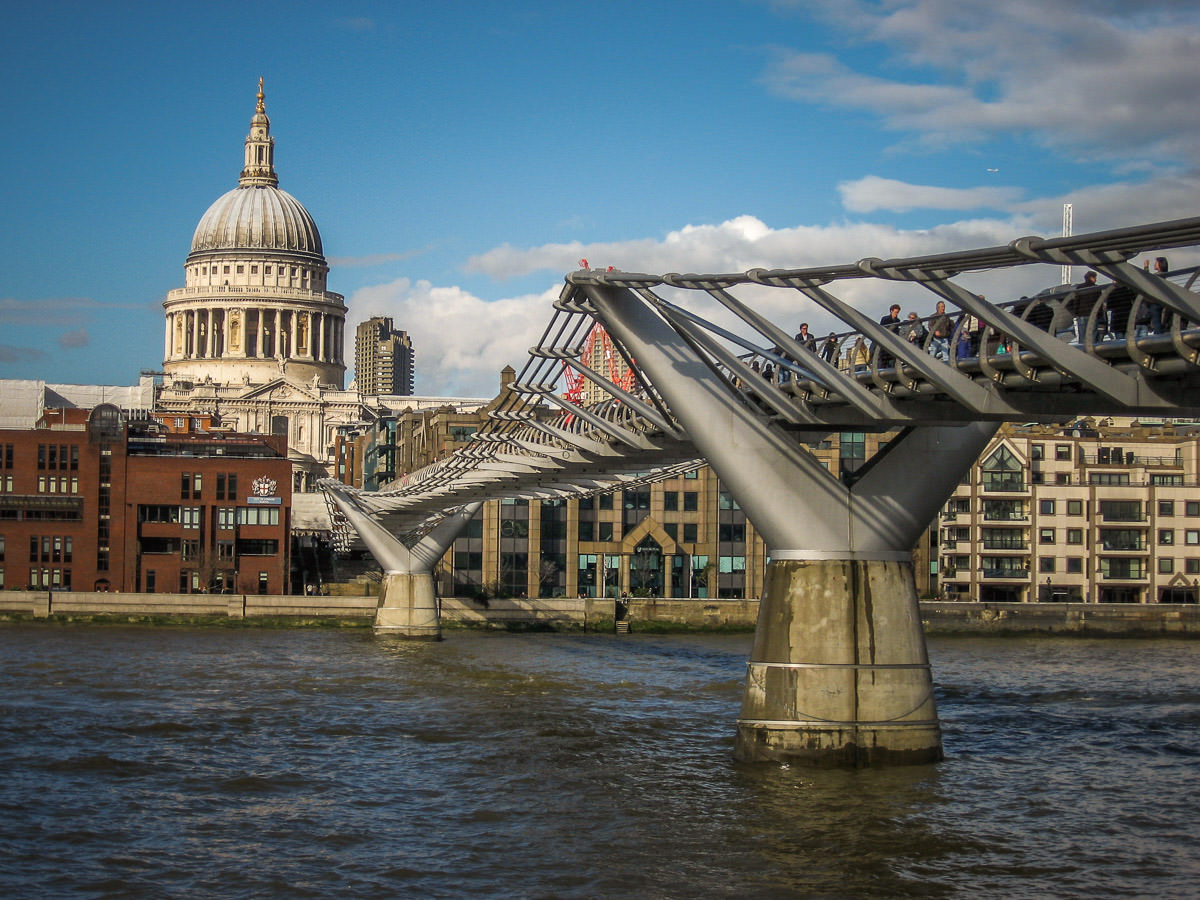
(872, 193)
(1099, 79)
(461, 341)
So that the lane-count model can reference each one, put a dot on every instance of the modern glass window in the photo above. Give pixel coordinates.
(1046, 507)
(1062, 452)
(1166, 507)
(1166, 565)
(1074, 565)
(1046, 563)
(1166, 536)
(1002, 471)
(1074, 535)
(1045, 535)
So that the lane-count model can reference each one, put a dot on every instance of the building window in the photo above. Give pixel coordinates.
(151, 581)
(690, 501)
(1045, 535)
(670, 500)
(672, 530)
(1192, 566)
(1167, 480)
(605, 530)
(693, 473)
(1074, 565)
(1166, 536)
(606, 501)
(262, 582)
(1191, 537)
(1166, 565)
(1037, 451)
(1166, 507)
(690, 532)
(1062, 452)
(1108, 478)
(1045, 563)
(1062, 478)
(587, 530)
(1191, 508)
(1074, 535)
(1046, 507)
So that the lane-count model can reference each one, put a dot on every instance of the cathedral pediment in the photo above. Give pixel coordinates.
(282, 390)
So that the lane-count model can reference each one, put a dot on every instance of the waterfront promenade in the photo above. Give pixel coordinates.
(582, 614)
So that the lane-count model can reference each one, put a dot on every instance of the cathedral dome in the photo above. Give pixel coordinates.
(257, 217)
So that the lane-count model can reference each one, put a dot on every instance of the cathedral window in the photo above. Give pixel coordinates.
(267, 270)
(254, 270)
(226, 272)
(241, 270)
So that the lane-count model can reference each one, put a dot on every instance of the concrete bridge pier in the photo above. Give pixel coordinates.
(408, 606)
(839, 674)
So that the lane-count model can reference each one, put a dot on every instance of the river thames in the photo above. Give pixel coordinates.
(231, 763)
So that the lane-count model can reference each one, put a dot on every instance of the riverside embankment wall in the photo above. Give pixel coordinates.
(575, 613)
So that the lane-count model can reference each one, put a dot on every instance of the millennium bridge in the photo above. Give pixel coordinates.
(838, 673)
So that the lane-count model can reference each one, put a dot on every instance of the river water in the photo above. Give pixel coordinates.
(228, 763)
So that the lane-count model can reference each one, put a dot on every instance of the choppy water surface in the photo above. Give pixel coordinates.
(256, 763)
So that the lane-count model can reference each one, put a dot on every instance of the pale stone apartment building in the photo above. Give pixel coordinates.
(1095, 511)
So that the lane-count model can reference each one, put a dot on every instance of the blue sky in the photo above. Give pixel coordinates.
(460, 157)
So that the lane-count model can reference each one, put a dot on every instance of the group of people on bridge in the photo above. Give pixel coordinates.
(1064, 311)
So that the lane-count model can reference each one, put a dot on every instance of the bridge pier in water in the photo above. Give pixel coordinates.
(408, 606)
(839, 674)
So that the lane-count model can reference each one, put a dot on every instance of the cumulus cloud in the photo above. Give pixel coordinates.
(461, 341)
(1107, 79)
(746, 242)
(77, 338)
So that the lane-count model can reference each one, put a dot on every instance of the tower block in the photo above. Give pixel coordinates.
(838, 674)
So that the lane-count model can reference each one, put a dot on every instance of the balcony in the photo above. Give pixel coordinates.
(1005, 515)
(1021, 546)
(1014, 485)
(1006, 573)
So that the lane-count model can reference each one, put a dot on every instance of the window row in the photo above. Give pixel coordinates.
(60, 457)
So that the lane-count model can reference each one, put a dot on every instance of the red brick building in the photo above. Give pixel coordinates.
(91, 502)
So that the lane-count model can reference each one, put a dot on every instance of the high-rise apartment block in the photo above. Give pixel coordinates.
(383, 358)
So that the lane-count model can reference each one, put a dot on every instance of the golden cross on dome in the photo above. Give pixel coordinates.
(261, 96)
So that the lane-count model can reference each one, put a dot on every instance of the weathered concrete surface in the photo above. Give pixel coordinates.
(408, 607)
(838, 674)
(1130, 619)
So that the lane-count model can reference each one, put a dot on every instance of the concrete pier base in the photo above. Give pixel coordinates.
(839, 674)
(408, 607)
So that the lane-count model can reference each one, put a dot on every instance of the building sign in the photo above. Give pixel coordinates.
(264, 488)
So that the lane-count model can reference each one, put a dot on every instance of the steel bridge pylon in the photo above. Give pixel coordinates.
(839, 673)
(408, 606)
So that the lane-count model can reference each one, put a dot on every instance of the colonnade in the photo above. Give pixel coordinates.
(255, 333)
